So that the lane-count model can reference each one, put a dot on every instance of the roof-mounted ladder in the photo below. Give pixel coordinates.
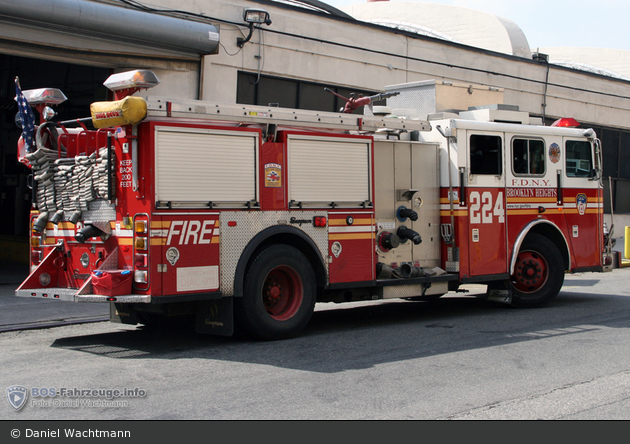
(251, 114)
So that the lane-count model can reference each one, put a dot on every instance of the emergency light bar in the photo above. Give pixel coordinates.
(44, 96)
(126, 83)
(132, 79)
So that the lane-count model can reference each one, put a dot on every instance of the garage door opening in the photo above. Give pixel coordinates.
(82, 85)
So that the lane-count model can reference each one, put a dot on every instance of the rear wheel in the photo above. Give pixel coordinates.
(538, 274)
(279, 294)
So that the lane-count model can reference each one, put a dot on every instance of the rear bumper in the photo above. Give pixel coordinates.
(75, 295)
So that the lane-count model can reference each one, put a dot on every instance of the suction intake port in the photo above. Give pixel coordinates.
(405, 233)
(387, 241)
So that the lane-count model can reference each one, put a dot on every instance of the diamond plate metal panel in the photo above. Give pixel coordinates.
(249, 224)
(452, 267)
(405, 291)
(56, 293)
(415, 101)
(100, 210)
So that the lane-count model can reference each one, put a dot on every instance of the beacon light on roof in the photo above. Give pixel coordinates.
(566, 122)
(126, 83)
(44, 96)
(41, 99)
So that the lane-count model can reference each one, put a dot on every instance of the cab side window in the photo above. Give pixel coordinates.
(579, 159)
(528, 156)
(485, 155)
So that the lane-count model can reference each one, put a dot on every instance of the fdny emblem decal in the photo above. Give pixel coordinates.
(273, 175)
(172, 255)
(554, 153)
(581, 201)
(17, 395)
(335, 248)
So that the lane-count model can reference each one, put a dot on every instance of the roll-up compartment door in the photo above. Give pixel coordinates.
(196, 165)
(325, 170)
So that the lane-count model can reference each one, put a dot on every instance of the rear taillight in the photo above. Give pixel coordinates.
(36, 257)
(141, 245)
(141, 276)
(141, 260)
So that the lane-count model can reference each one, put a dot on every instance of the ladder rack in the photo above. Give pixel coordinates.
(251, 114)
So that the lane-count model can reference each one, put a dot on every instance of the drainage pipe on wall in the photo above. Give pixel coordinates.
(99, 19)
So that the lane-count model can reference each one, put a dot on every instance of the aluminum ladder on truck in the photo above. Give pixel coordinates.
(286, 117)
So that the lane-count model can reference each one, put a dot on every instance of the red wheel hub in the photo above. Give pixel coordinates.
(282, 293)
(530, 273)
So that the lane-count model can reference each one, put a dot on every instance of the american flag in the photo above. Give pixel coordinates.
(26, 116)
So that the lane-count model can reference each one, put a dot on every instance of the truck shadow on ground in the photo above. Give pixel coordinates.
(364, 336)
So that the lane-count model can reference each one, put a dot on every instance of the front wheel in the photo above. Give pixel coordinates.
(279, 294)
(538, 274)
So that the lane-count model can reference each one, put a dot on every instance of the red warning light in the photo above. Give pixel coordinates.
(320, 221)
(566, 122)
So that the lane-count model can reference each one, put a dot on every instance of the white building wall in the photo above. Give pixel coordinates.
(303, 46)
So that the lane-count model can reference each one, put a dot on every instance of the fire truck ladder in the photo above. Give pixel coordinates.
(251, 114)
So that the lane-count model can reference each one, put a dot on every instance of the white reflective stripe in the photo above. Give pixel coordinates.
(588, 205)
(187, 214)
(352, 229)
(60, 233)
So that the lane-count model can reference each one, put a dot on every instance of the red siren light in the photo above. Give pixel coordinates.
(566, 122)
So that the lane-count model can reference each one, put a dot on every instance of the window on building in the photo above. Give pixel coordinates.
(253, 89)
(579, 158)
(528, 156)
(622, 201)
(610, 146)
(624, 156)
(485, 155)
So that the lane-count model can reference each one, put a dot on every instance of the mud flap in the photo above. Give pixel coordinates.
(499, 292)
(215, 317)
(122, 314)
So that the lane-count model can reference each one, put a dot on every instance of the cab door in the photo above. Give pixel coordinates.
(583, 202)
(484, 181)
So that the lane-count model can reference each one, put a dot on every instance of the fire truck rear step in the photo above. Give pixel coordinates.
(71, 295)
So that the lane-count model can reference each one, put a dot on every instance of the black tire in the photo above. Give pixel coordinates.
(279, 294)
(538, 274)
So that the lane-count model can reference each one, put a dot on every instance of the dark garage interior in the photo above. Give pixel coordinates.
(82, 85)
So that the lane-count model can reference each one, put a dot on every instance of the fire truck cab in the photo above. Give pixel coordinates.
(245, 217)
(527, 201)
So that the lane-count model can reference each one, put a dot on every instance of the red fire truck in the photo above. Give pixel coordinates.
(245, 216)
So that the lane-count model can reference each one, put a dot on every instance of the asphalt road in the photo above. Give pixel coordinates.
(23, 313)
(460, 358)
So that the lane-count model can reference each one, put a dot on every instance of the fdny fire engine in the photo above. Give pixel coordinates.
(245, 217)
